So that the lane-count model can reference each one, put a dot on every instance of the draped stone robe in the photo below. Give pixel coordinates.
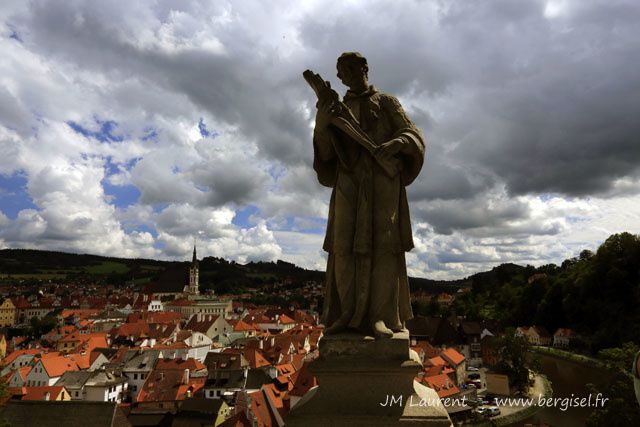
(369, 229)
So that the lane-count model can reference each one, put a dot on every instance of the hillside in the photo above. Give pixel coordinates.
(596, 294)
(32, 266)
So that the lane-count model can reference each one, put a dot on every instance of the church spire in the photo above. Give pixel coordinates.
(194, 273)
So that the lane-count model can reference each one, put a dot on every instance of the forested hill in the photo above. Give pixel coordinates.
(596, 294)
(222, 275)
(227, 276)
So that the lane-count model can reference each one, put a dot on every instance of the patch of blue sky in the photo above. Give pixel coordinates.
(143, 228)
(121, 196)
(204, 132)
(13, 33)
(276, 171)
(311, 225)
(14, 196)
(575, 219)
(115, 168)
(545, 197)
(158, 208)
(150, 134)
(243, 216)
(302, 225)
(105, 132)
(203, 128)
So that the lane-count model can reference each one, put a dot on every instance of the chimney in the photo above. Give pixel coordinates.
(185, 377)
(47, 396)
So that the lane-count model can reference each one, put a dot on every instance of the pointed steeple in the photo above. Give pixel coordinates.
(194, 273)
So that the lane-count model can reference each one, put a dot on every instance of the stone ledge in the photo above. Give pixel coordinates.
(357, 375)
(355, 346)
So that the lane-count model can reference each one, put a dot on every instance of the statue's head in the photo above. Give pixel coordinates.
(353, 69)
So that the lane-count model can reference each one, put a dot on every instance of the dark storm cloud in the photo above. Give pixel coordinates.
(516, 99)
(549, 99)
(556, 109)
(446, 216)
(242, 85)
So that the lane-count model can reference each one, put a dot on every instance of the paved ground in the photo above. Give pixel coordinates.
(534, 391)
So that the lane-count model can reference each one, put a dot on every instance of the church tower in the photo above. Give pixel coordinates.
(194, 287)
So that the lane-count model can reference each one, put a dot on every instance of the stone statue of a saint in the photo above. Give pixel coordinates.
(369, 229)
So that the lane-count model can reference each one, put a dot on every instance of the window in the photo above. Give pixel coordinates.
(135, 376)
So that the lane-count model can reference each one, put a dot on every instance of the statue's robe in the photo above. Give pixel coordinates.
(369, 229)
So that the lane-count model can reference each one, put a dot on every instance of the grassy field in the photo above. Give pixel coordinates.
(107, 267)
(40, 276)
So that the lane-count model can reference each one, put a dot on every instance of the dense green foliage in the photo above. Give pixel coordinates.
(598, 295)
(515, 360)
(35, 267)
(39, 327)
(622, 407)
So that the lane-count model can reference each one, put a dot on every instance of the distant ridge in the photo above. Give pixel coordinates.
(31, 263)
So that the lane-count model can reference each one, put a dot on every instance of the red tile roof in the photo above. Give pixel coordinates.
(201, 322)
(303, 380)
(255, 358)
(40, 393)
(15, 354)
(442, 384)
(564, 332)
(453, 356)
(437, 361)
(286, 320)
(56, 366)
(242, 326)
(179, 364)
(169, 385)
(262, 410)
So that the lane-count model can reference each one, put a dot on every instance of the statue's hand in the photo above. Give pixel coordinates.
(390, 148)
(324, 114)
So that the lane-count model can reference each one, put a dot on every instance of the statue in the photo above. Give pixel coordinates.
(368, 151)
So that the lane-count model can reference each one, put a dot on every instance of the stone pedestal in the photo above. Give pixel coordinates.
(367, 382)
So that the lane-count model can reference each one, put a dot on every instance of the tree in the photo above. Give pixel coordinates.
(620, 357)
(39, 327)
(513, 359)
(621, 410)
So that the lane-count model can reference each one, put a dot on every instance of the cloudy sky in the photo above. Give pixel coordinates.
(129, 128)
